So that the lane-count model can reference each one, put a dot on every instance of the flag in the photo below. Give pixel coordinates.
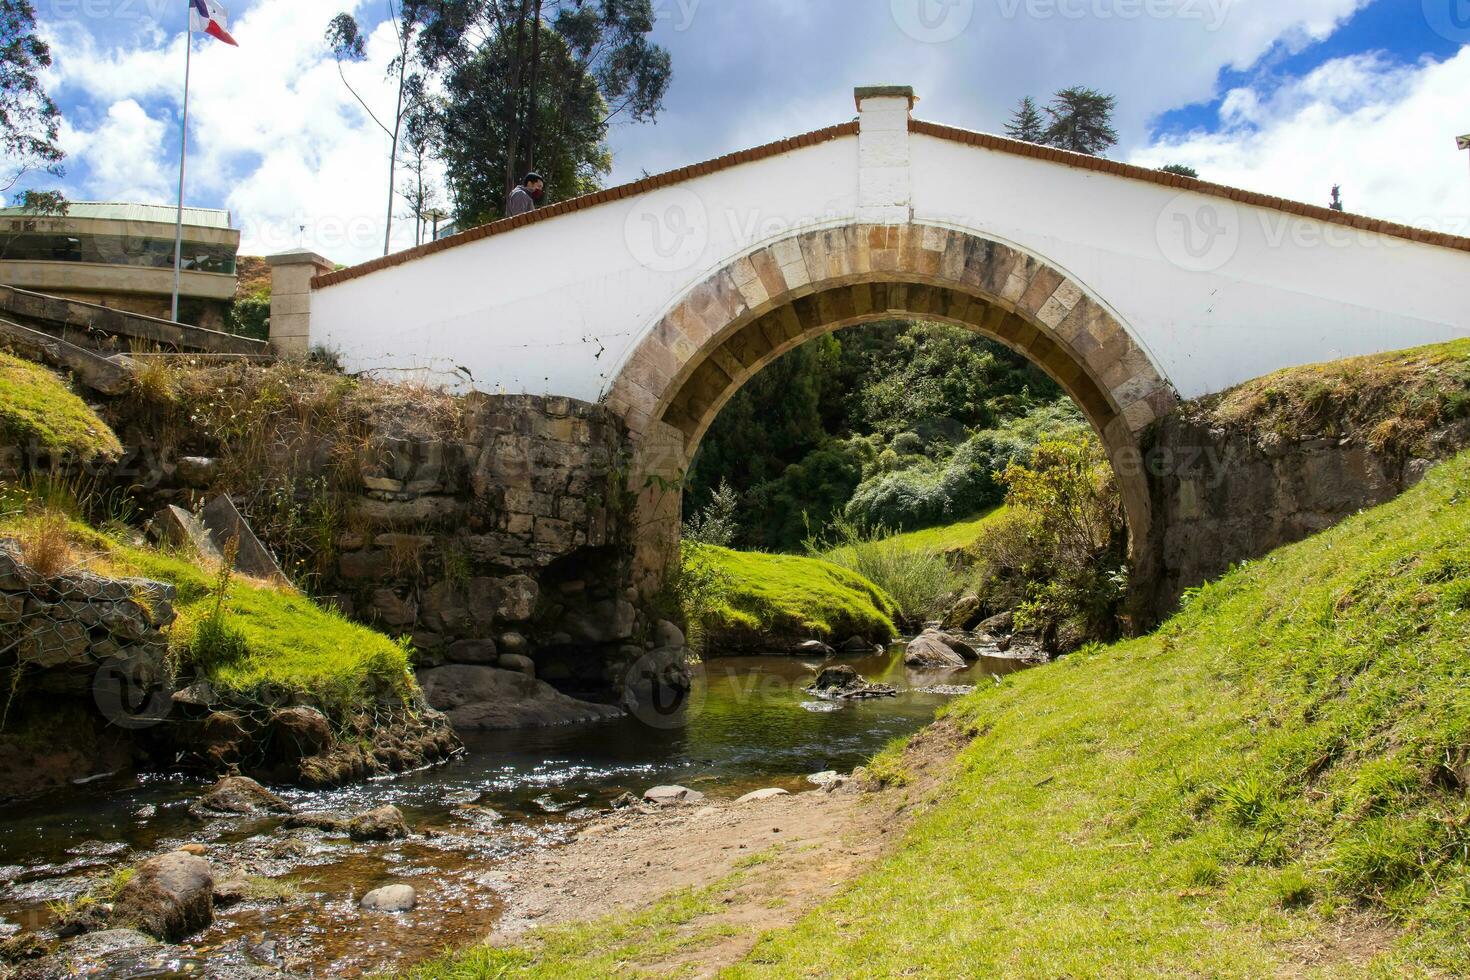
(210, 18)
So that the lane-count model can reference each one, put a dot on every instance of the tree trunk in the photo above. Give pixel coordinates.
(531, 103)
(512, 129)
(397, 123)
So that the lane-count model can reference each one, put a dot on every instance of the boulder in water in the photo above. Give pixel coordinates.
(390, 898)
(238, 796)
(840, 682)
(1002, 624)
(963, 614)
(815, 648)
(488, 698)
(169, 896)
(672, 795)
(928, 651)
(382, 823)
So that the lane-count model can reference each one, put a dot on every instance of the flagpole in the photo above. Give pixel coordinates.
(183, 154)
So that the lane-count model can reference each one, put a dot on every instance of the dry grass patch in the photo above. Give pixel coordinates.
(1392, 400)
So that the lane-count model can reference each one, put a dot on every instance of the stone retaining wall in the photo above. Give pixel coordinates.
(502, 539)
(1227, 495)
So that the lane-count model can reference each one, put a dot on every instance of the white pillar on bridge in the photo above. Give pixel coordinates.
(885, 192)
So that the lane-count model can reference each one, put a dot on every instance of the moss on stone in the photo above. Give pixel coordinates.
(37, 407)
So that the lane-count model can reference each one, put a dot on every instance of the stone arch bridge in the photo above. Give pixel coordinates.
(1132, 288)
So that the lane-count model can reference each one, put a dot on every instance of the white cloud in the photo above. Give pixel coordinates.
(274, 133)
(124, 153)
(1385, 131)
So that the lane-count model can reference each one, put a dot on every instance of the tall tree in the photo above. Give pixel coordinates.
(1081, 121)
(29, 119)
(521, 52)
(477, 134)
(348, 43)
(1026, 123)
(1336, 203)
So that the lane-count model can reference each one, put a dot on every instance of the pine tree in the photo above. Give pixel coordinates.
(1336, 204)
(1181, 170)
(1026, 123)
(1081, 121)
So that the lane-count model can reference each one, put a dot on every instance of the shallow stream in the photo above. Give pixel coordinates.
(749, 725)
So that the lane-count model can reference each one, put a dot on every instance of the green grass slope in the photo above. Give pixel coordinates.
(36, 406)
(1292, 747)
(1273, 783)
(770, 595)
(292, 646)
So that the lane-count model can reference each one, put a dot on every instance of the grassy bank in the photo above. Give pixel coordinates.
(788, 596)
(38, 409)
(1392, 400)
(1275, 782)
(289, 645)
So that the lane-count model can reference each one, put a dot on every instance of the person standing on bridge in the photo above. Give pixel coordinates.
(526, 196)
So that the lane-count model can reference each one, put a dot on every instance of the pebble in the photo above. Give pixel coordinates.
(390, 898)
(671, 795)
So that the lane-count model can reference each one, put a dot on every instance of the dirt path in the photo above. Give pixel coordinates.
(792, 852)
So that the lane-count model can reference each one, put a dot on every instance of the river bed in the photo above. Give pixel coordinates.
(749, 725)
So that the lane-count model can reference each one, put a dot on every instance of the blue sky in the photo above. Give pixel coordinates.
(1283, 96)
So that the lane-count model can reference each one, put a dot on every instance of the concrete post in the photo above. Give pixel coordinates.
(291, 275)
(884, 188)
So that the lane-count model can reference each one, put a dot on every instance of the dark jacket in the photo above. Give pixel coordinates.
(519, 202)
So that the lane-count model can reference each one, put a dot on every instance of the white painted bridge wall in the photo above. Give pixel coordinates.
(555, 307)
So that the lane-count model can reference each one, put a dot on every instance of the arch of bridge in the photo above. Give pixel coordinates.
(728, 327)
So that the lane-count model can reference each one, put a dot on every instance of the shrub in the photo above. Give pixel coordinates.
(778, 514)
(917, 579)
(694, 590)
(715, 524)
(931, 494)
(1057, 557)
